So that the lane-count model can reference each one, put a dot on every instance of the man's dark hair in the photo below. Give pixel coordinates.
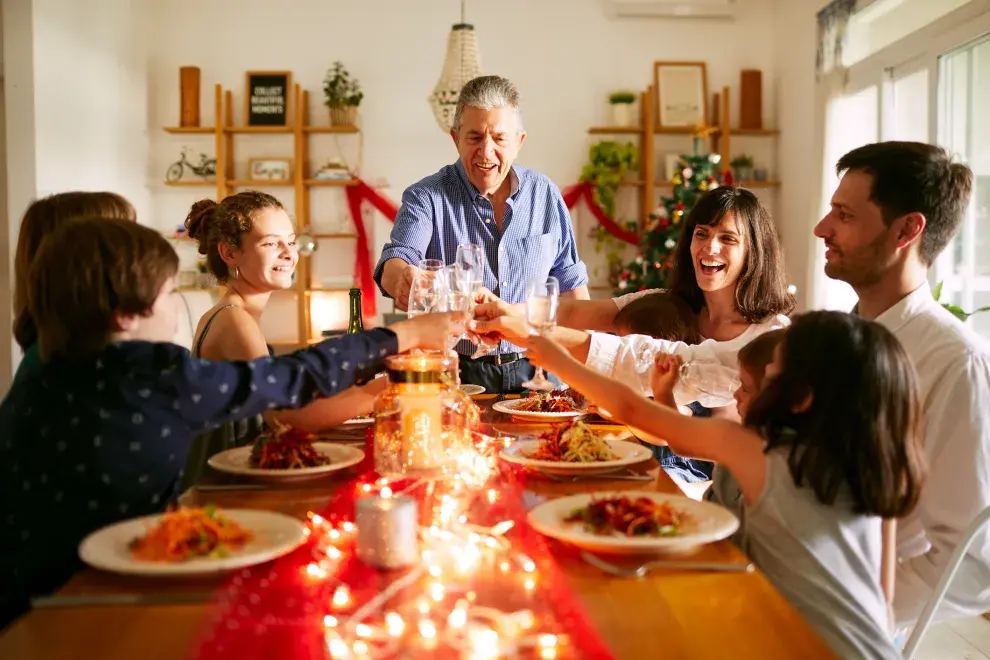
(914, 177)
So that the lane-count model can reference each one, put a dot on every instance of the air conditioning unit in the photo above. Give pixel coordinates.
(721, 9)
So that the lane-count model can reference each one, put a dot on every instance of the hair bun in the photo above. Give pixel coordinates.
(198, 221)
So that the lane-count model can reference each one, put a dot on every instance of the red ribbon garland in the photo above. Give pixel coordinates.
(586, 191)
(361, 192)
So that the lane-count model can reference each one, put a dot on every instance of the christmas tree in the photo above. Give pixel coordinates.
(651, 267)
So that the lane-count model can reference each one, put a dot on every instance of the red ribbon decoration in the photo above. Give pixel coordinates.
(585, 190)
(362, 256)
(362, 192)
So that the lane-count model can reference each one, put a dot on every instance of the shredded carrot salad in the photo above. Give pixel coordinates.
(186, 533)
(573, 443)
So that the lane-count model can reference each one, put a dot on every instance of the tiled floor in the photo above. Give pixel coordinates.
(964, 639)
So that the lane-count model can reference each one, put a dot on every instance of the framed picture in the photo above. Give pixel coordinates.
(682, 93)
(270, 169)
(266, 98)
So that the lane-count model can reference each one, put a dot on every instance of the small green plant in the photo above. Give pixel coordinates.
(621, 97)
(741, 161)
(954, 309)
(340, 88)
(609, 162)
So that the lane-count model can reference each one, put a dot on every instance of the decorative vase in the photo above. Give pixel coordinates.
(189, 96)
(343, 115)
(622, 114)
(422, 419)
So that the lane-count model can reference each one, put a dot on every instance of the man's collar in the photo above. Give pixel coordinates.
(907, 307)
(514, 180)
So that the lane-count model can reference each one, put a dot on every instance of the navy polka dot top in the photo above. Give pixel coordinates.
(86, 444)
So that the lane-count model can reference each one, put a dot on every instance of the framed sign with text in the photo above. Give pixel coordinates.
(267, 98)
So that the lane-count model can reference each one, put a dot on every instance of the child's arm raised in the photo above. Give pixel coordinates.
(210, 393)
(738, 448)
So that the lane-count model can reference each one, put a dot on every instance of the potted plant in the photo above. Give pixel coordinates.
(622, 107)
(742, 168)
(343, 95)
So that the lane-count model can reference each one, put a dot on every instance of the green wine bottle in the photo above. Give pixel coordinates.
(355, 323)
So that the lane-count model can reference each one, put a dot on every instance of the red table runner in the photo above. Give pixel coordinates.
(481, 592)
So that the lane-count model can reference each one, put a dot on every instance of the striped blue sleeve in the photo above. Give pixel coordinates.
(568, 268)
(411, 233)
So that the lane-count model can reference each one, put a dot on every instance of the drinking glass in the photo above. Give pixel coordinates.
(457, 297)
(471, 259)
(428, 290)
(716, 382)
(542, 297)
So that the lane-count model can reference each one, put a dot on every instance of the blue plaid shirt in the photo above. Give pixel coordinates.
(445, 210)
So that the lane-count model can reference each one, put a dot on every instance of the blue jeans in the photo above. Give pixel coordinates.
(499, 379)
(687, 469)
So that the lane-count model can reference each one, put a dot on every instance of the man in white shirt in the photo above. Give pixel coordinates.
(897, 206)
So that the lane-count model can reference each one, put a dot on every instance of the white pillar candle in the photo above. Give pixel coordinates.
(387, 531)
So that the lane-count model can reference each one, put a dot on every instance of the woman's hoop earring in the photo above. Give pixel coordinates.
(237, 272)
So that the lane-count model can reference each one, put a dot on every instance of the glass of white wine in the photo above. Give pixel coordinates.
(428, 290)
(542, 298)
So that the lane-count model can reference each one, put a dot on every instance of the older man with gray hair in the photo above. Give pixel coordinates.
(517, 215)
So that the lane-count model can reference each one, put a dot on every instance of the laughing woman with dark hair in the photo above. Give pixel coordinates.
(728, 268)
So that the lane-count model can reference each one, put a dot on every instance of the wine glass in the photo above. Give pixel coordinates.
(457, 297)
(542, 297)
(715, 382)
(428, 289)
(471, 259)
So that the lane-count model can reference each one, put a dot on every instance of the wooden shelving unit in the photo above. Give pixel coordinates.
(226, 132)
(647, 130)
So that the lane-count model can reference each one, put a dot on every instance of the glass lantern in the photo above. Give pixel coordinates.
(423, 420)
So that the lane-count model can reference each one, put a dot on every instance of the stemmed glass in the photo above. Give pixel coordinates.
(542, 297)
(428, 289)
(471, 259)
(472, 262)
(457, 297)
(716, 382)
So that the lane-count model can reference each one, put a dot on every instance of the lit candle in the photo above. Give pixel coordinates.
(387, 531)
(422, 427)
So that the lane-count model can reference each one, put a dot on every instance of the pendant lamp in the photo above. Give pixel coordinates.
(460, 66)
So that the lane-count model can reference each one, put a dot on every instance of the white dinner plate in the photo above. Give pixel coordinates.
(472, 390)
(629, 453)
(705, 523)
(511, 407)
(237, 461)
(359, 421)
(275, 534)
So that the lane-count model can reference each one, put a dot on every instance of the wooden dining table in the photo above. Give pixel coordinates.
(665, 614)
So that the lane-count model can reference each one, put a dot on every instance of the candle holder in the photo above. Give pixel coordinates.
(423, 420)
(387, 531)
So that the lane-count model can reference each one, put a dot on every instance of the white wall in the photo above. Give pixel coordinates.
(18, 82)
(76, 111)
(794, 42)
(90, 90)
(564, 55)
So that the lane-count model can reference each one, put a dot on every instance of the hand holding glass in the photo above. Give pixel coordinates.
(542, 297)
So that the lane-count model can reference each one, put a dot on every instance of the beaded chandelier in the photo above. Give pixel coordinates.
(460, 66)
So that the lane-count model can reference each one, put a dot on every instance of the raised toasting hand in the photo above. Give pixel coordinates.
(429, 332)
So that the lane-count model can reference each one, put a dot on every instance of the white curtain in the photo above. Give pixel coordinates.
(830, 117)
